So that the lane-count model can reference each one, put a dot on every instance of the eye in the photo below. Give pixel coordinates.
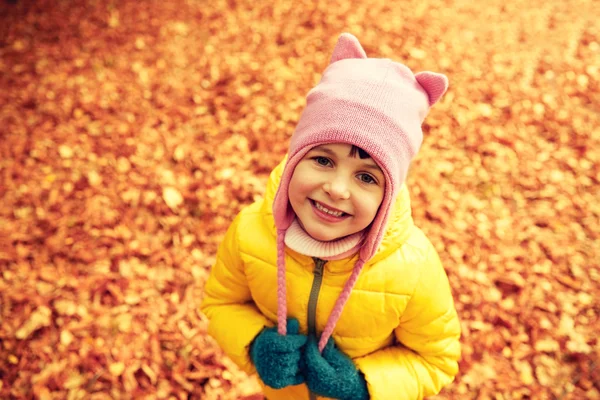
(323, 161)
(366, 178)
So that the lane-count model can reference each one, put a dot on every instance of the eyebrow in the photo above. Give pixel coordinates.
(369, 165)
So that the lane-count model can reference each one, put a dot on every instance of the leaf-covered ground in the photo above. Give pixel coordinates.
(131, 132)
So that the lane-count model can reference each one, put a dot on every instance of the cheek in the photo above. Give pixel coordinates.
(300, 182)
(297, 189)
(371, 206)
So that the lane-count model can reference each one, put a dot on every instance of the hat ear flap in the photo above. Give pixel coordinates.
(434, 84)
(347, 46)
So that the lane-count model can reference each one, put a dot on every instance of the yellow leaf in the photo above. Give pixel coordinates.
(116, 369)
(65, 307)
(74, 381)
(44, 394)
(179, 153)
(123, 165)
(525, 373)
(181, 28)
(113, 20)
(547, 345)
(38, 319)
(417, 53)
(150, 373)
(94, 178)
(65, 151)
(172, 197)
(66, 337)
(164, 389)
(140, 43)
(123, 322)
(132, 298)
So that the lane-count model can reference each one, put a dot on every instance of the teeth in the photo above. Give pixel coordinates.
(328, 211)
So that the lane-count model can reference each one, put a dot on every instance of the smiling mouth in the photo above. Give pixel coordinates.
(322, 208)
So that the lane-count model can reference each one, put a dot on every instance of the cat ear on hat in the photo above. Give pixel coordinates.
(347, 46)
(434, 84)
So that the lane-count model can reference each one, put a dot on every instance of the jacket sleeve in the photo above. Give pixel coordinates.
(426, 355)
(234, 319)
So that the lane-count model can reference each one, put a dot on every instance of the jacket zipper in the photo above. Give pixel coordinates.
(312, 302)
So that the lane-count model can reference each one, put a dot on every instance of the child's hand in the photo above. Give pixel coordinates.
(333, 374)
(277, 357)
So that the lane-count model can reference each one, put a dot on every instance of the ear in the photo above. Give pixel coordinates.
(434, 84)
(347, 46)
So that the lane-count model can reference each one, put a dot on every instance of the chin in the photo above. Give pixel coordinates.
(323, 237)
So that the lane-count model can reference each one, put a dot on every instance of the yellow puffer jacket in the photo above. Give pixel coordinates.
(399, 326)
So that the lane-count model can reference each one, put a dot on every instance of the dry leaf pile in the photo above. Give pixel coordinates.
(132, 132)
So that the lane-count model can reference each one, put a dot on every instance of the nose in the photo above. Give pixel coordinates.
(337, 188)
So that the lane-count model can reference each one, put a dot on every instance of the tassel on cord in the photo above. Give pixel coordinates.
(339, 305)
(281, 290)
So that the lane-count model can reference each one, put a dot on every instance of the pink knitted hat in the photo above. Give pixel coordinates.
(375, 104)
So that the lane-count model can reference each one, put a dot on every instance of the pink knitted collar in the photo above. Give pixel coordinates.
(297, 239)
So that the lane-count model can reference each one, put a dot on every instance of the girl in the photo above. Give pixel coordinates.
(361, 303)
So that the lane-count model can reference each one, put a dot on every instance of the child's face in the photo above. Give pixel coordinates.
(335, 194)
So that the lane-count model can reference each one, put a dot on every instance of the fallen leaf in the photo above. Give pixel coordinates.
(172, 197)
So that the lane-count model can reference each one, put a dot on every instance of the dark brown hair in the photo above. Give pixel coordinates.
(361, 153)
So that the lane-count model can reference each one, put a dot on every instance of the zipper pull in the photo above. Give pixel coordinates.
(319, 264)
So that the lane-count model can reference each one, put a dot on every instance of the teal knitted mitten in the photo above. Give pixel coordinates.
(277, 358)
(333, 374)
